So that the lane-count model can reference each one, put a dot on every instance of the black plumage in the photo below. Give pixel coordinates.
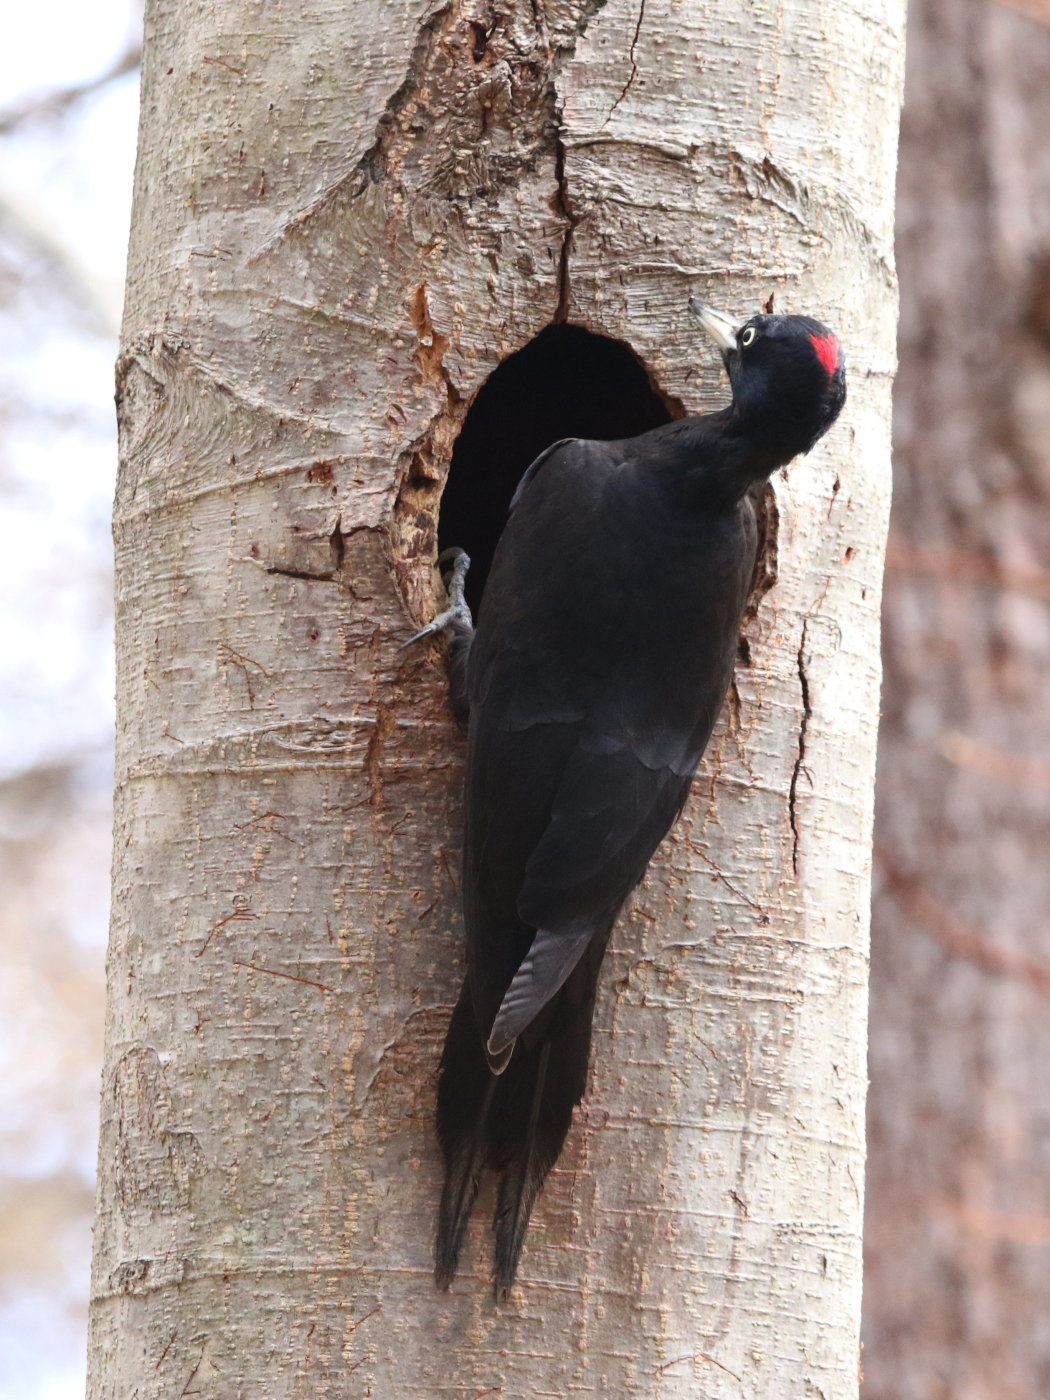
(604, 649)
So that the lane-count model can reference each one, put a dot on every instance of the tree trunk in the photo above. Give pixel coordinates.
(959, 1215)
(345, 217)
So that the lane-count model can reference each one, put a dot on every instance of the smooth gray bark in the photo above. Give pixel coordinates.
(345, 216)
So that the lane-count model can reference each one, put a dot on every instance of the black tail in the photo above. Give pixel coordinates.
(466, 1088)
(530, 1158)
(514, 1123)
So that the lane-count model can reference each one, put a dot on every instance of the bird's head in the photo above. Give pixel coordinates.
(787, 374)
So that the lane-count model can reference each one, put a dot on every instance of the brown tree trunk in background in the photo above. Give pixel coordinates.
(958, 1230)
(346, 215)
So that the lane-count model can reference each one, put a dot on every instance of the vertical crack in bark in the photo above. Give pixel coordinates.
(803, 730)
(634, 66)
(561, 311)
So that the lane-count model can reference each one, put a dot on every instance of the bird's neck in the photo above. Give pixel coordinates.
(726, 458)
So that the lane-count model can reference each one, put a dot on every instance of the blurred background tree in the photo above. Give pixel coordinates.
(958, 1220)
(958, 1208)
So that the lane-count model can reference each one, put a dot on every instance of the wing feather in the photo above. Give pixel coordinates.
(543, 972)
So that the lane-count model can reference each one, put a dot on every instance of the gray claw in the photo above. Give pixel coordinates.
(457, 610)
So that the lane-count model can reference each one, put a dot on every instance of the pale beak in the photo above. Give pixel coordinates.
(721, 328)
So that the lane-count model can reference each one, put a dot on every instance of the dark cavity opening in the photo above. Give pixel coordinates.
(567, 382)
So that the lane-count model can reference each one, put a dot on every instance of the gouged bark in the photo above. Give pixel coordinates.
(345, 216)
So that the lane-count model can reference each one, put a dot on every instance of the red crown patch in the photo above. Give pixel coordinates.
(829, 352)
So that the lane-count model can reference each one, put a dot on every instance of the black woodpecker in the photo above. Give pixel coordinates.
(603, 652)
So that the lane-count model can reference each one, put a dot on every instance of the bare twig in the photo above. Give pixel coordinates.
(1036, 10)
(54, 104)
(903, 556)
(991, 762)
(956, 937)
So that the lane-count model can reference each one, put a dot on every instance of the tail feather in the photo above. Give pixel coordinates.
(466, 1088)
(462, 1182)
(521, 1182)
(514, 1122)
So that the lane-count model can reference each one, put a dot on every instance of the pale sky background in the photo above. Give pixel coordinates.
(65, 187)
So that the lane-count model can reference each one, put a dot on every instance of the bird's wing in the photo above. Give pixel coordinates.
(613, 808)
(611, 811)
(528, 476)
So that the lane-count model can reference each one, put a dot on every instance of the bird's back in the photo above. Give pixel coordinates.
(603, 652)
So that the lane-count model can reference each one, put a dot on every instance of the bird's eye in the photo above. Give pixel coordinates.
(748, 335)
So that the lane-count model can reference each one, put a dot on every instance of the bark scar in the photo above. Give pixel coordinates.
(288, 976)
(431, 345)
(695, 1356)
(302, 573)
(803, 731)
(767, 561)
(763, 916)
(230, 657)
(337, 544)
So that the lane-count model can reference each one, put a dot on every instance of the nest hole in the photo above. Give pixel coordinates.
(567, 382)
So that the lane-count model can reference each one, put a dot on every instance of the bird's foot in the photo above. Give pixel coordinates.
(453, 564)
